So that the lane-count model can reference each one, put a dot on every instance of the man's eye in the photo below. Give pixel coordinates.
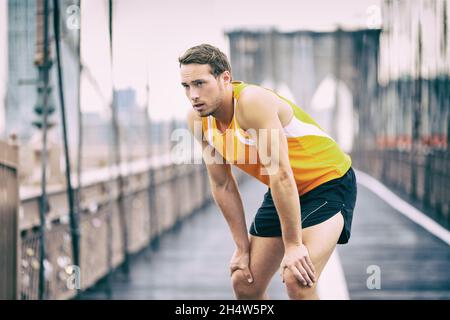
(199, 84)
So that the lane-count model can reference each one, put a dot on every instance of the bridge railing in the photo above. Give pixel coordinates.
(9, 201)
(157, 195)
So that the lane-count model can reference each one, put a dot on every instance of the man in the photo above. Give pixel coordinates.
(312, 191)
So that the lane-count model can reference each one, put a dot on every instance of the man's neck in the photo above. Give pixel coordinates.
(225, 113)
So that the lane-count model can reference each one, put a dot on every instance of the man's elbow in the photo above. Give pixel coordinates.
(222, 184)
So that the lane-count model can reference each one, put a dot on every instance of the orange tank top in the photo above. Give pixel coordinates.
(314, 156)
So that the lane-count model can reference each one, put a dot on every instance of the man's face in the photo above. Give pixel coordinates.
(204, 91)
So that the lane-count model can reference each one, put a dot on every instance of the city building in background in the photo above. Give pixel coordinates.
(23, 74)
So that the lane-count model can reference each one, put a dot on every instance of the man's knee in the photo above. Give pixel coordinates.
(243, 289)
(296, 290)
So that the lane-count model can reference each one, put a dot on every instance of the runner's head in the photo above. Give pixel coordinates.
(205, 75)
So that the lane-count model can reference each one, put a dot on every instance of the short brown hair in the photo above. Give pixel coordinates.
(207, 54)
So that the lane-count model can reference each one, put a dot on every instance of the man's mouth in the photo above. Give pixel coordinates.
(198, 106)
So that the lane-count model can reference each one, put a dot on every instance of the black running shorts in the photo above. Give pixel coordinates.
(317, 205)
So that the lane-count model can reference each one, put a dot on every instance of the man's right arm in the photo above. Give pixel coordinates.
(224, 190)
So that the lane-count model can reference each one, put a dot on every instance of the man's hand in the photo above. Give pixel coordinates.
(296, 259)
(241, 261)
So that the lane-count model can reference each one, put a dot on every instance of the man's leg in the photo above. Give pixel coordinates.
(320, 240)
(266, 254)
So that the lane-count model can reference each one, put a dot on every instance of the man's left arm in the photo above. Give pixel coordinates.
(257, 113)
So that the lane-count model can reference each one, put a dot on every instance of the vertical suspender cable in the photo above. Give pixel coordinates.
(44, 84)
(74, 229)
(147, 119)
(110, 211)
(153, 217)
(117, 153)
(148, 155)
(80, 120)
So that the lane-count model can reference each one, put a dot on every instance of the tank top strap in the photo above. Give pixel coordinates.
(207, 128)
(238, 86)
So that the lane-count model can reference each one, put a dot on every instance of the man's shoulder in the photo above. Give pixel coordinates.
(255, 102)
(251, 93)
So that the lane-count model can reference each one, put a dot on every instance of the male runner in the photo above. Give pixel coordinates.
(309, 204)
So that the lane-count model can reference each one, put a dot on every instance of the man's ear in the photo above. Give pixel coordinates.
(226, 77)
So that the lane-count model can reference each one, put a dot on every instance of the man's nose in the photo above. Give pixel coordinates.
(194, 95)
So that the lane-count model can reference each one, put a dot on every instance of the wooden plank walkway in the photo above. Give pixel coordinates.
(192, 262)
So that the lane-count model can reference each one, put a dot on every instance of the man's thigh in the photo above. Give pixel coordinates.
(321, 240)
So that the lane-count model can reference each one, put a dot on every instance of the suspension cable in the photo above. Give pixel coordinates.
(80, 120)
(117, 153)
(44, 67)
(73, 216)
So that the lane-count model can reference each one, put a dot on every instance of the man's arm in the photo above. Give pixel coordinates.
(258, 114)
(226, 195)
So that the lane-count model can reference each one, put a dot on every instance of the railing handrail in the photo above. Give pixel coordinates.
(96, 175)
